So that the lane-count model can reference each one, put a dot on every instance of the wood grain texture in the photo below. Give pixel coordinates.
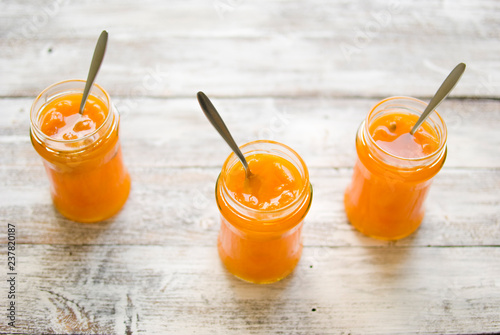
(176, 290)
(261, 48)
(175, 133)
(304, 73)
(177, 207)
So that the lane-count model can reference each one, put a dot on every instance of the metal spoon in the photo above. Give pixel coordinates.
(443, 91)
(219, 125)
(99, 51)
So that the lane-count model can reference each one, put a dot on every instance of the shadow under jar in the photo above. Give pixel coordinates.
(81, 153)
(262, 216)
(394, 170)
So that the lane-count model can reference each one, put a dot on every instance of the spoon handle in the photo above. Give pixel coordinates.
(216, 121)
(443, 91)
(99, 51)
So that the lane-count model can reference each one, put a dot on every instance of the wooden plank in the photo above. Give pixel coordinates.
(257, 18)
(177, 290)
(170, 206)
(255, 48)
(300, 68)
(174, 132)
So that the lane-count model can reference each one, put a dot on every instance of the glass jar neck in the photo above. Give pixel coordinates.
(389, 160)
(59, 90)
(257, 220)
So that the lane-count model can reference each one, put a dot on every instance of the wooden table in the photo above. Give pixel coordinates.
(304, 73)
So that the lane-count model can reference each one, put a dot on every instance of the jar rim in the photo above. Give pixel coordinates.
(301, 167)
(442, 136)
(34, 113)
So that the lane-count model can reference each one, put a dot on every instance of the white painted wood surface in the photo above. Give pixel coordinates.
(303, 73)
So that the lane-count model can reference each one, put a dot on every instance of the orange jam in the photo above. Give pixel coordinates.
(61, 119)
(392, 133)
(274, 182)
(261, 215)
(81, 152)
(394, 170)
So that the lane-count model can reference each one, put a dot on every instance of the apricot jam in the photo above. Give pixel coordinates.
(394, 170)
(81, 152)
(262, 215)
(60, 119)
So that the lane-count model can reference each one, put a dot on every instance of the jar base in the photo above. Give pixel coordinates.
(260, 282)
(378, 236)
(225, 260)
(384, 238)
(97, 218)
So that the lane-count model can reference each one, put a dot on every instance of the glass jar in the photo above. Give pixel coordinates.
(386, 196)
(259, 245)
(88, 181)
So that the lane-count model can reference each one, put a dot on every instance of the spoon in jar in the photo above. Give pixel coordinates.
(99, 51)
(443, 91)
(219, 125)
